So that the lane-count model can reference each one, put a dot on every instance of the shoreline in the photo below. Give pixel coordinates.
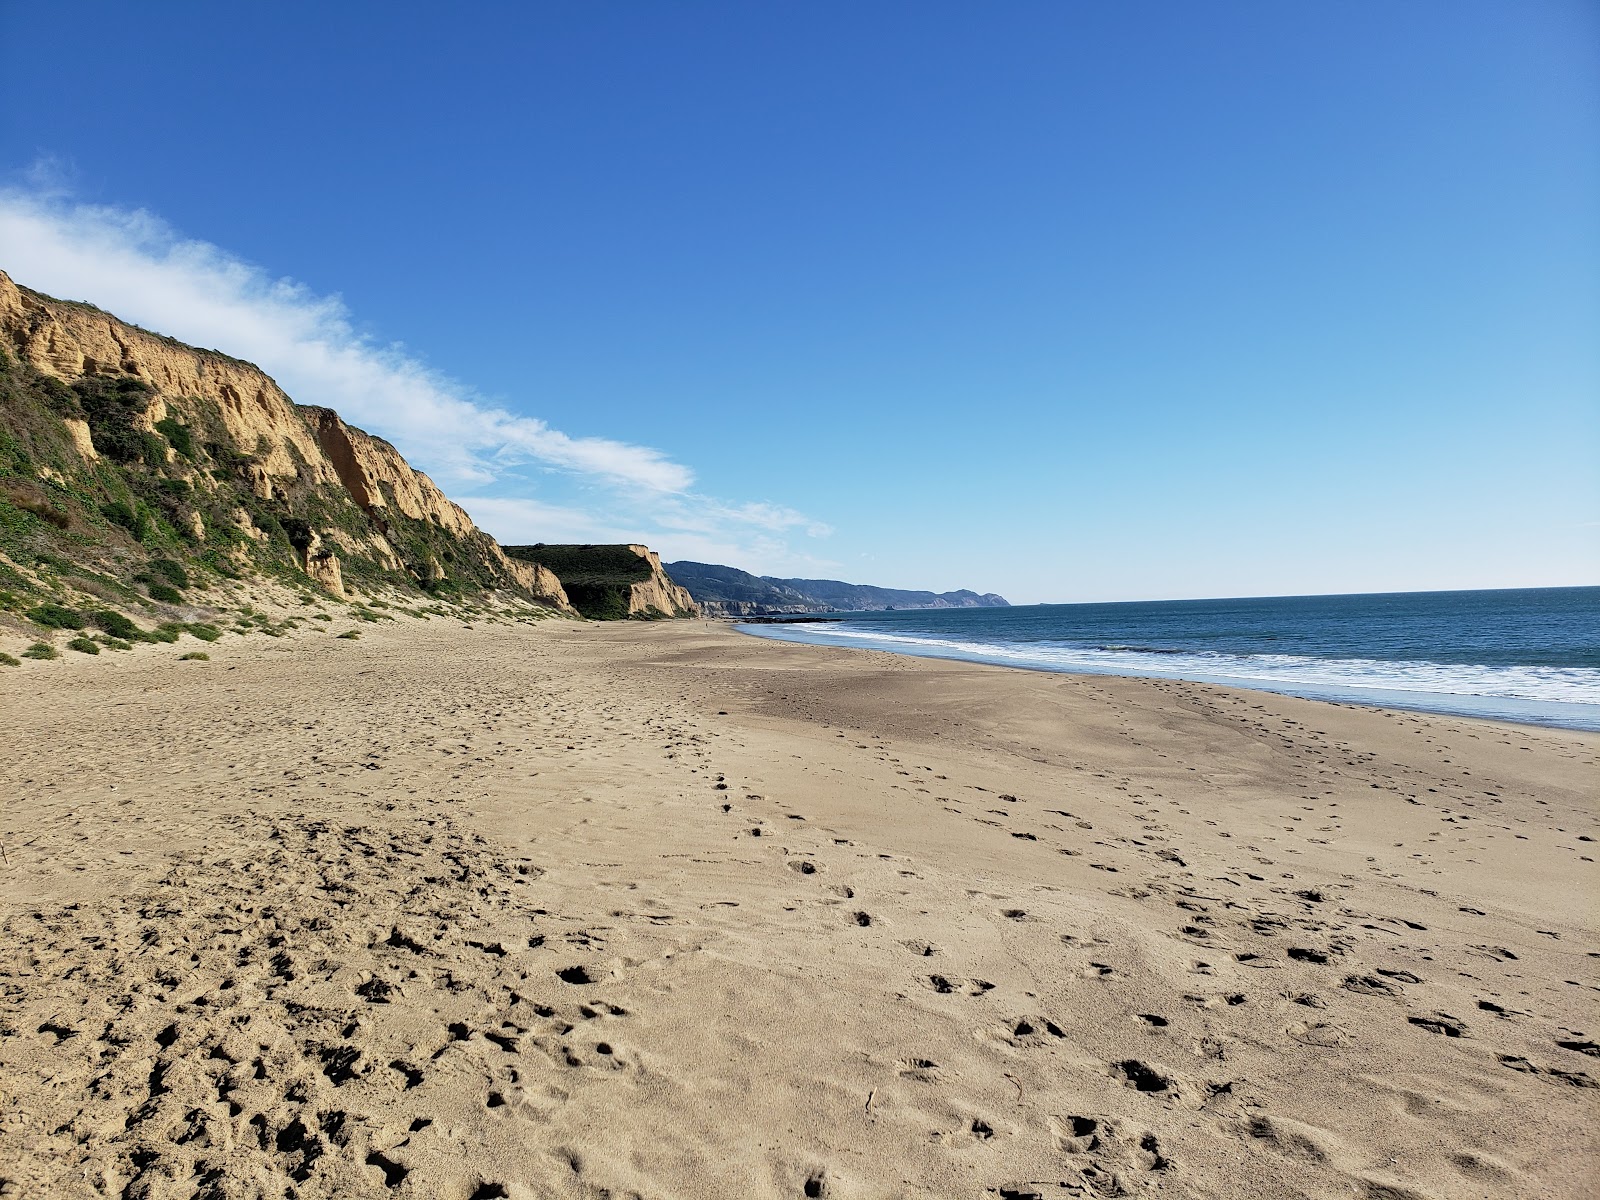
(658, 908)
(1546, 714)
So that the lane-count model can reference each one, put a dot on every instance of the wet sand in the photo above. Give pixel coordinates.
(666, 911)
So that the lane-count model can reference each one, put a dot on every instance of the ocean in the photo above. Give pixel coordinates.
(1527, 655)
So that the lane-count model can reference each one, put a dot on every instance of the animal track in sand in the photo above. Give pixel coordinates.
(921, 1070)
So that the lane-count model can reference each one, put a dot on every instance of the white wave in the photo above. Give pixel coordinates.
(1559, 685)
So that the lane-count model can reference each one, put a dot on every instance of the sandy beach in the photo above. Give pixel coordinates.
(666, 911)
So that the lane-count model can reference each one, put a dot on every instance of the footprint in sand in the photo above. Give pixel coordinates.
(1440, 1023)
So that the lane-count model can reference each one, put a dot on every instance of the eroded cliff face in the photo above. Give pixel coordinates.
(336, 490)
(611, 581)
(659, 593)
(68, 341)
(375, 474)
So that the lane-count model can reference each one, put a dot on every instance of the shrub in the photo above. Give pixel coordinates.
(195, 656)
(168, 631)
(83, 645)
(41, 650)
(349, 635)
(163, 593)
(179, 435)
(111, 643)
(172, 571)
(600, 601)
(206, 633)
(298, 532)
(113, 406)
(117, 625)
(9, 660)
(55, 616)
(135, 519)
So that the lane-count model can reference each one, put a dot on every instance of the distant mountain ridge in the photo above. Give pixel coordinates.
(728, 591)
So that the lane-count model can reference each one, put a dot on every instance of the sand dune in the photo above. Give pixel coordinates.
(663, 911)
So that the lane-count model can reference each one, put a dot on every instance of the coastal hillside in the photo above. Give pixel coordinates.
(728, 591)
(612, 582)
(862, 597)
(137, 473)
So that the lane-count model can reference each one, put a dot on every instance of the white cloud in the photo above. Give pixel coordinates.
(515, 521)
(132, 263)
(135, 265)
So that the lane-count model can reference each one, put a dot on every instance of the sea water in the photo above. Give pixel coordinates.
(1527, 655)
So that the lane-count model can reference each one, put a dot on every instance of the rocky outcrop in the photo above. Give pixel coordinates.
(658, 594)
(540, 581)
(611, 582)
(294, 482)
(323, 565)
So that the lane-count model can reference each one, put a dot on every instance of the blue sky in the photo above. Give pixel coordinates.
(1068, 301)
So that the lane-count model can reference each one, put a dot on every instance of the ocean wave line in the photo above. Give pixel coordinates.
(1567, 685)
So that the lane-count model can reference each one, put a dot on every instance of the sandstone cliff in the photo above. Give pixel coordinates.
(163, 448)
(658, 593)
(612, 582)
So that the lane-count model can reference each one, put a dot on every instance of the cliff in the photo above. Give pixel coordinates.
(119, 447)
(612, 582)
(659, 593)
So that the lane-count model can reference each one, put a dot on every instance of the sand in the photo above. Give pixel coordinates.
(666, 911)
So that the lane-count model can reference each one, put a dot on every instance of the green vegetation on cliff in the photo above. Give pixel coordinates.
(157, 512)
(598, 579)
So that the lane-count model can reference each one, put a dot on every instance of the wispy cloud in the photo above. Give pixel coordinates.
(134, 264)
(516, 521)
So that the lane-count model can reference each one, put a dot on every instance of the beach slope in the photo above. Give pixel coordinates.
(665, 911)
